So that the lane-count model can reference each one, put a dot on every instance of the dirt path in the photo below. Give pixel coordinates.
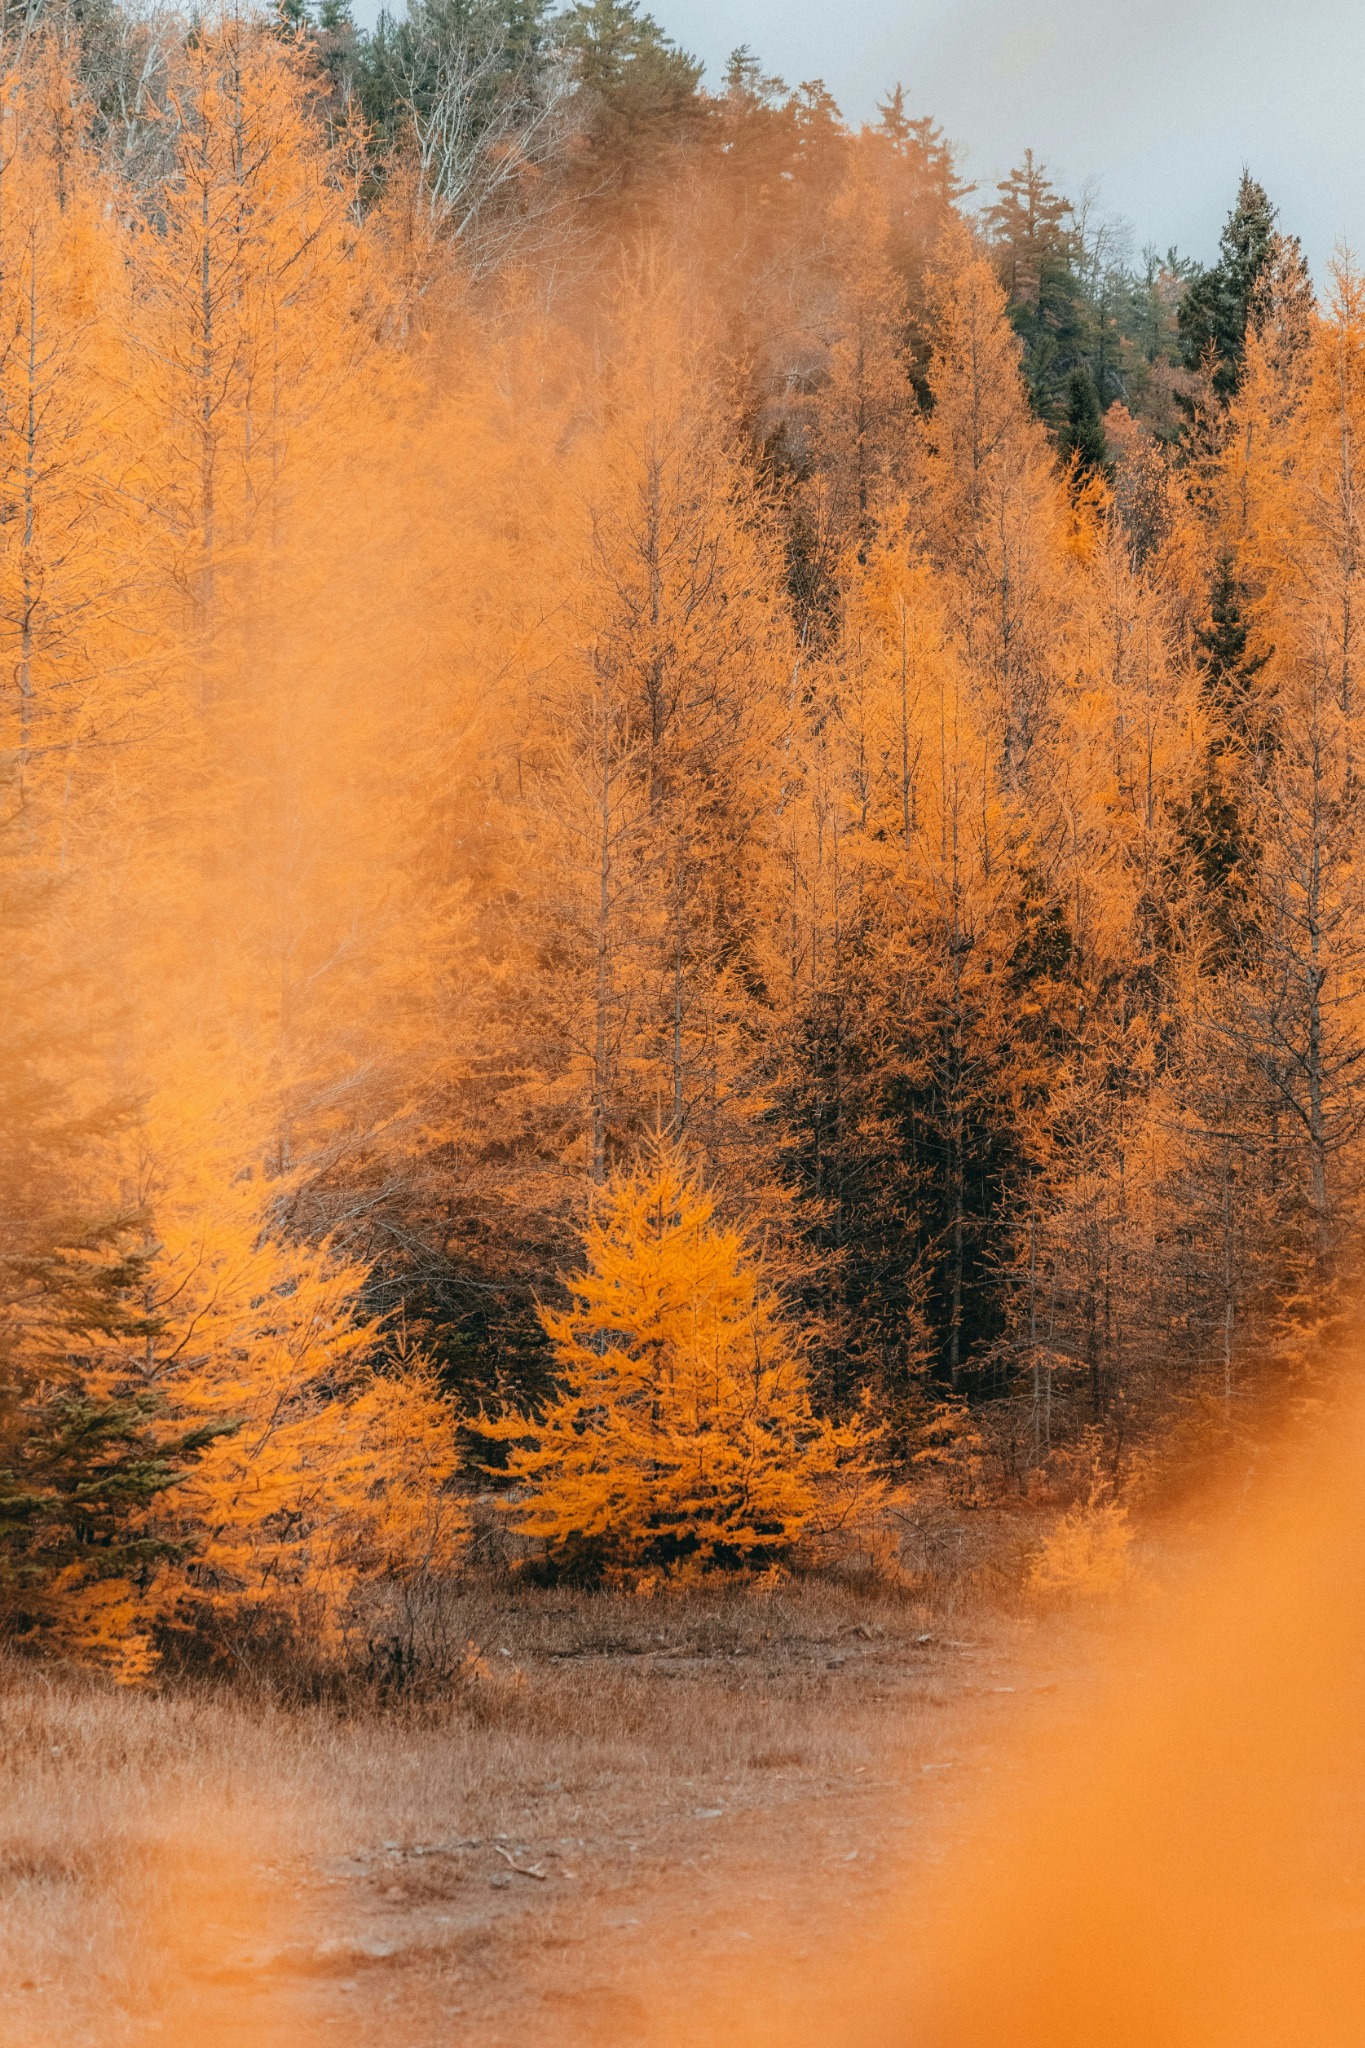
(800, 1790)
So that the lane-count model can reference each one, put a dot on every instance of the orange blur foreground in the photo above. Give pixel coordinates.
(1190, 1871)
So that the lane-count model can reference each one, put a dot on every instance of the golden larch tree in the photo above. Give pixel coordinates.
(683, 1426)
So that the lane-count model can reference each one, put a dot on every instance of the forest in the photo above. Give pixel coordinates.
(679, 847)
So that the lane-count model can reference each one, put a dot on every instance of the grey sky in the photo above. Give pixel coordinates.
(1159, 100)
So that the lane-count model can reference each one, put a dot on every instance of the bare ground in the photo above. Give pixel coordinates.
(622, 1804)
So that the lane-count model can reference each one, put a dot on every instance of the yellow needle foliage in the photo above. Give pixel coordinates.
(334, 1470)
(323, 1450)
(683, 1429)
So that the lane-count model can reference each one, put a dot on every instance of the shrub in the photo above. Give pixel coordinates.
(1086, 1551)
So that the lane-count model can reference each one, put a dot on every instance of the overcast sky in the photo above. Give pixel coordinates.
(1161, 101)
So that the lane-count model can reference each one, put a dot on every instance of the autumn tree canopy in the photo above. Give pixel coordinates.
(678, 812)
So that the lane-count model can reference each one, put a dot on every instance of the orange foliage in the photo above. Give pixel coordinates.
(684, 1428)
(466, 716)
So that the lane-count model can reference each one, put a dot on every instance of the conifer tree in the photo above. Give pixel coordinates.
(1217, 824)
(1283, 306)
(683, 1428)
(83, 1457)
(251, 323)
(67, 572)
(1218, 303)
(1089, 1218)
(917, 166)
(923, 187)
(1082, 439)
(1296, 1014)
(865, 417)
(993, 506)
(926, 951)
(328, 1459)
(1032, 228)
(641, 89)
(647, 792)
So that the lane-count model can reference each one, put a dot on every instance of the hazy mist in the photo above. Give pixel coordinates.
(1159, 101)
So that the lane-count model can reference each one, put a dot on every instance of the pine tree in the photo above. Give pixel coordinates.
(81, 1479)
(1081, 441)
(918, 171)
(1037, 247)
(641, 90)
(1218, 302)
(683, 1428)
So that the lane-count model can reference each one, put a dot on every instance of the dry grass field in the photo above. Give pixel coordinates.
(619, 1804)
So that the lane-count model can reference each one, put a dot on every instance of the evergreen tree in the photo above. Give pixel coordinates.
(864, 426)
(86, 1446)
(1082, 438)
(820, 138)
(923, 191)
(1227, 667)
(1217, 306)
(1037, 248)
(78, 1476)
(641, 89)
(928, 181)
(1216, 824)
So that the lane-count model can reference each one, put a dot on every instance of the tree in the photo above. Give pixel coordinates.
(83, 1458)
(328, 1455)
(993, 504)
(924, 184)
(1109, 985)
(865, 418)
(1218, 302)
(1297, 1015)
(1037, 249)
(259, 332)
(470, 109)
(640, 88)
(67, 639)
(917, 168)
(682, 1428)
(1081, 441)
(646, 787)
(1284, 307)
(901, 1046)
(1216, 824)
(80, 1481)
(86, 1451)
